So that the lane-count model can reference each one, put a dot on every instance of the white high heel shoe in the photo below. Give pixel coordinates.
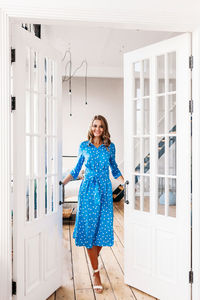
(97, 287)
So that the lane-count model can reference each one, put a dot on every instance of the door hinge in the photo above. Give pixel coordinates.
(191, 277)
(14, 288)
(191, 61)
(12, 55)
(191, 106)
(13, 103)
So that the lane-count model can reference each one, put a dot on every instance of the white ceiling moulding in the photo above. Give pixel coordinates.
(151, 15)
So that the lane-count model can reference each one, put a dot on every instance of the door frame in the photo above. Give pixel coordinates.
(62, 15)
(196, 164)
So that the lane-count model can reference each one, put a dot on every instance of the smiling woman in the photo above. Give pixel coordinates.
(94, 219)
(99, 129)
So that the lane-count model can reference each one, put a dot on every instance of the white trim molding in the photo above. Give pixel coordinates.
(196, 165)
(123, 16)
(5, 177)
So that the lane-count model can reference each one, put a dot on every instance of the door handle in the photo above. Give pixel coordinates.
(126, 192)
(63, 193)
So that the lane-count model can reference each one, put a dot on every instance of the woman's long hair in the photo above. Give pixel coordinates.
(105, 136)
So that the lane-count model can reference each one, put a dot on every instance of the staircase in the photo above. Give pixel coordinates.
(161, 147)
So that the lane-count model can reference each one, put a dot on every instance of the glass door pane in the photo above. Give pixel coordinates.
(141, 134)
(166, 134)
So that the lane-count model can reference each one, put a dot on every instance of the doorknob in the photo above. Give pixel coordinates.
(126, 192)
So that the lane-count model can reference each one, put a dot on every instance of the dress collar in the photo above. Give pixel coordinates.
(91, 144)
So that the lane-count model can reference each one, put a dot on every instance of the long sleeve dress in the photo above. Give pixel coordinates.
(94, 217)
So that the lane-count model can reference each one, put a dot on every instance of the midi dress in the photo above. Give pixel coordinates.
(94, 216)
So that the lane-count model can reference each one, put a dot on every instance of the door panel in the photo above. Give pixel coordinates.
(37, 216)
(157, 165)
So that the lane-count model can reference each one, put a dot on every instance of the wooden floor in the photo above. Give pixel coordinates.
(77, 276)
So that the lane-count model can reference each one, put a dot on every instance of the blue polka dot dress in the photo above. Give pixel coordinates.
(94, 217)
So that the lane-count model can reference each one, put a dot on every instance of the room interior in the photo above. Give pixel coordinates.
(102, 48)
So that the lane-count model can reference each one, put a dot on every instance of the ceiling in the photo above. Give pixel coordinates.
(101, 46)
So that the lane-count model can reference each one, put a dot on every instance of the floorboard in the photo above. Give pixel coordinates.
(52, 297)
(81, 272)
(77, 271)
(68, 281)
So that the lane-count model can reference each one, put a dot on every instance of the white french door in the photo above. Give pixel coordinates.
(157, 166)
(37, 216)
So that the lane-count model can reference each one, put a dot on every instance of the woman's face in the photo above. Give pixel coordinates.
(97, 128)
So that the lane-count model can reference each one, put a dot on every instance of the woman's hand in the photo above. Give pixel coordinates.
(81, 175)
(121, 179)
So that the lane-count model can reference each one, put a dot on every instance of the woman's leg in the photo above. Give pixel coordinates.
(93, 253)
(98, 249)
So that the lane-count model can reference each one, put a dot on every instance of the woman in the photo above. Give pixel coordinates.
(94, 218)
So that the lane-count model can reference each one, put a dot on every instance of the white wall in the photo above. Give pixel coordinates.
(105, 97)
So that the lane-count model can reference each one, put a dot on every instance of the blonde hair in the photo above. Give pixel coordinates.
(105, 136)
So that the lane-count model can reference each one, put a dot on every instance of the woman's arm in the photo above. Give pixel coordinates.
(113, 165)
(75, 171)
(67, 179)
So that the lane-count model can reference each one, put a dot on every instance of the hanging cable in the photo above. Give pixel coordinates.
(71, 75)
(86, 66)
